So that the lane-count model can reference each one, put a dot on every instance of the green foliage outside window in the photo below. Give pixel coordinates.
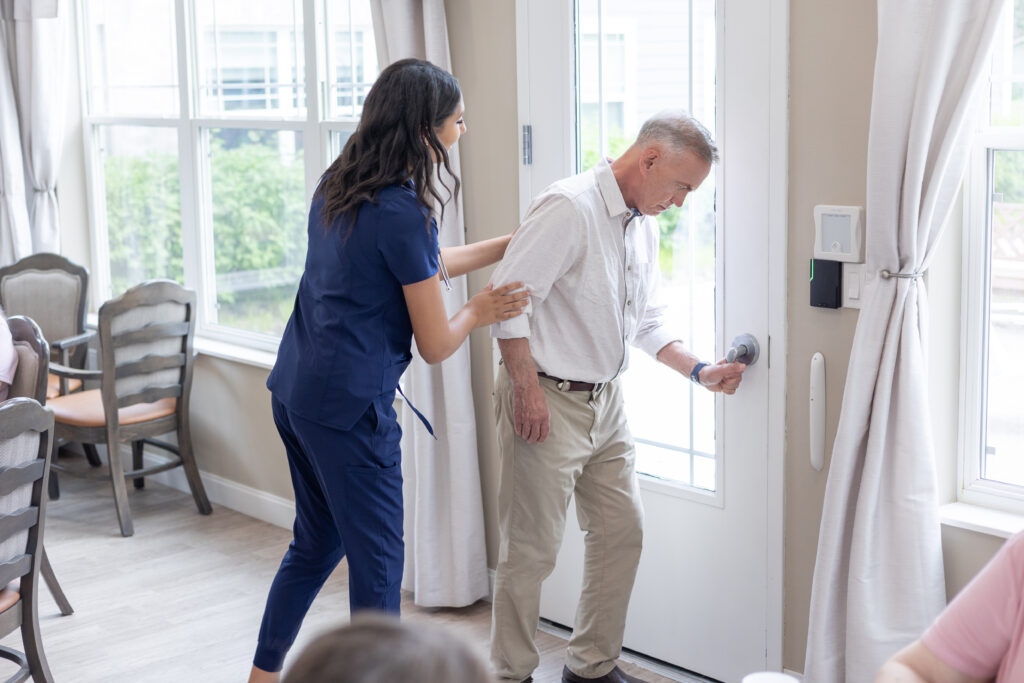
(259, 230)
(259, 212)
(143, 219)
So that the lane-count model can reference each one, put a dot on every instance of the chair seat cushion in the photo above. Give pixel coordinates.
(85, 409)
(9, 597)
(53, 385)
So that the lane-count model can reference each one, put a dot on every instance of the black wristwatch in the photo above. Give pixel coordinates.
(695, 373)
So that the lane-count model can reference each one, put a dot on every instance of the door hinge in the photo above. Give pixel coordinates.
(527, 145)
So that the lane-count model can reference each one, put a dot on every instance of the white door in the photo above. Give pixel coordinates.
(708, 592)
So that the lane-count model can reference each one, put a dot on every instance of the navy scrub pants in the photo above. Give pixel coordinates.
(348, 502)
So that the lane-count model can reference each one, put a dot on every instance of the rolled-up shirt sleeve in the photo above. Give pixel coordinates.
(540, 252)
(653, 333)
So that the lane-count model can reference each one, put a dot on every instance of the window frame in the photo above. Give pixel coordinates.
(191, 127)
(975, 320)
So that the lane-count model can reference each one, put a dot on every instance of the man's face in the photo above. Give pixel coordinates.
(668, 177)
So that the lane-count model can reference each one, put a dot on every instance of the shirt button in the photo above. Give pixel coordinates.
(629, 302)
(629, 267)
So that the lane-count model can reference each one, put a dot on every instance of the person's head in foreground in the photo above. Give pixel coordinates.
(379, 649)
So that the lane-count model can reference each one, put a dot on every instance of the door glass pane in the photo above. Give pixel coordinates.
(131, 59)
(257, 193)
(351, 57)
(635, 58)
(1003, 453)
(251, 58)
(143, 203)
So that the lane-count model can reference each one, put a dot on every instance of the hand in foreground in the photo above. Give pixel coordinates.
(723, 376)
(494, 305)
(530, 413)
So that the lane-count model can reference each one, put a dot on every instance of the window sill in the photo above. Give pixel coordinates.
(216, 348)
(234, 352)
(981, 519)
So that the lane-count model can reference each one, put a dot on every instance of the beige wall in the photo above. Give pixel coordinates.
(830, 90)
(482, 38)
(830, 96)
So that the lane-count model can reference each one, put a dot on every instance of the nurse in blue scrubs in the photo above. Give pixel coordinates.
(372, 281)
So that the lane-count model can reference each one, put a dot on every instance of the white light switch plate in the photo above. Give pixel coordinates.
(853, 284)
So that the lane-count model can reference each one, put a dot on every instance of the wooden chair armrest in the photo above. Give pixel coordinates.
(71, 342)
(75, 373)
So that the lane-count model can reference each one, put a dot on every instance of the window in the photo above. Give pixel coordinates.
(205, 140)
(992, 423)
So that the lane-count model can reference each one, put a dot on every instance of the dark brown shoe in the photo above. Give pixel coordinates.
(616, 675)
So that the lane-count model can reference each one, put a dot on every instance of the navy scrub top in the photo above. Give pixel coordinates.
(349, 338)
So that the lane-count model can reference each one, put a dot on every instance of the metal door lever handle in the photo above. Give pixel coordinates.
(745, 349)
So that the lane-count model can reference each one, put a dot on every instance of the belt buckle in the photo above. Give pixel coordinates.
(565, 386)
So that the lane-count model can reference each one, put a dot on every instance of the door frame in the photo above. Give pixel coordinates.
(534, 72)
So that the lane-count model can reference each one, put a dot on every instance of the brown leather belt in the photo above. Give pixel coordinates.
(571, 385)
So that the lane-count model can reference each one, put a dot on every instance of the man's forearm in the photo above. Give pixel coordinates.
(515, 354)
(675, 355)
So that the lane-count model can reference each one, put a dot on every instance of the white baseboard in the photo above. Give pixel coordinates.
(239, 497)
(799, 677)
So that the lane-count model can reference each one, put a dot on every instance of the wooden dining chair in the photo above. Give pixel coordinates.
(26, 432)
(30, 381)
(145, 382)
(52, 291)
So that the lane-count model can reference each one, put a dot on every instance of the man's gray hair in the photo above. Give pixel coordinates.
(681, 132)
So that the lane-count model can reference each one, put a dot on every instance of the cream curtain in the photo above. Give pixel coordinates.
(40, 39)
(15, 228)
(445, 551)
(878, 578)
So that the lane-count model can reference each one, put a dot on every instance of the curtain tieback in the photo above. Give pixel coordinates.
(886, 275)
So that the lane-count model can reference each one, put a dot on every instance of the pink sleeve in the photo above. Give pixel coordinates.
(974, 633)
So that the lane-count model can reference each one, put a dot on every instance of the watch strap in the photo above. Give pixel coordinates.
(695, 373)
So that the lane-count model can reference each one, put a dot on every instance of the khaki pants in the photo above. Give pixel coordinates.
(589, 452)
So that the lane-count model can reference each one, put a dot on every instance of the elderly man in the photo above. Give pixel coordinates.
(588, 252)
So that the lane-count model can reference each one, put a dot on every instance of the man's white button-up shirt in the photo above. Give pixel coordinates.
(591, 267)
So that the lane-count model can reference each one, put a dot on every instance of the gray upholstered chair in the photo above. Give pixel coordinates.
(30, 381)
(146, 346)
(26, 430)
(52, 291)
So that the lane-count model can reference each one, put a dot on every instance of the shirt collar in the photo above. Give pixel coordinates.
(609, 188)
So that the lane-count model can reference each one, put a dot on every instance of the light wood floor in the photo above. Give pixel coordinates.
(182, 599)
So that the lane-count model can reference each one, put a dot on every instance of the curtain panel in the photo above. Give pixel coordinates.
(878, 577)
(37, 31)
(15, 228)
(445, 548)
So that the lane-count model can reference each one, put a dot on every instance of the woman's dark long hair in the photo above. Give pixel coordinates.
(396, 140)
